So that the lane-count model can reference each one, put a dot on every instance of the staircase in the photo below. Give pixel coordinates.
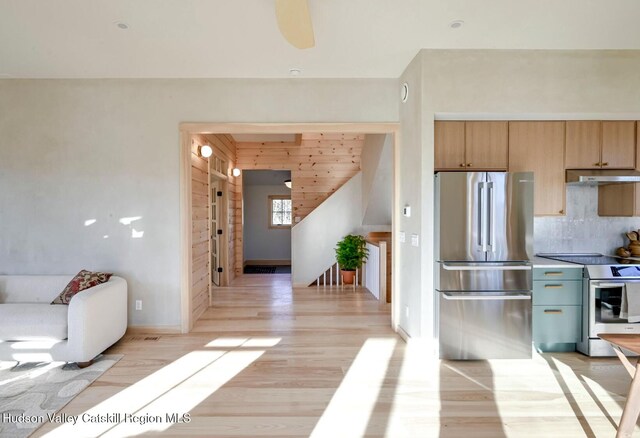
(332, 277)
(313, 239)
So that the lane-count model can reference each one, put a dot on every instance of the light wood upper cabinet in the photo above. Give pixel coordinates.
(620, 199)
(618, 145)
(471, 145)
(449, 145)
(487, 145)
(538, 147)
(582, 150)
(601, 145)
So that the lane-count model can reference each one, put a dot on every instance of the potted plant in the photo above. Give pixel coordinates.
(351, 252)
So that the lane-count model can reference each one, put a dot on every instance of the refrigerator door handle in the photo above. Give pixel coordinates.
(477, 297)
(484, 215)
(460, 267)
(481, 216)
(491, 212)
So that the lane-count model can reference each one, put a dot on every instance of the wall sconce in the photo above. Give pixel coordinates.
(287, 183)
(205, 151)
(235, 172)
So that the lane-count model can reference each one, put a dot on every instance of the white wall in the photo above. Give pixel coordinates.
(314, 238)
(482, 83)
(409, 168)
(261, 242)
(376, 163)
(73, 150)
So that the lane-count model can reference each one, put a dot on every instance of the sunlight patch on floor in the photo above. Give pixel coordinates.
(351, 406)
(141, 393)
(188, 394)
(583, 403)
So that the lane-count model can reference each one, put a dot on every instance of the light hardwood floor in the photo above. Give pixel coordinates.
(269, 361)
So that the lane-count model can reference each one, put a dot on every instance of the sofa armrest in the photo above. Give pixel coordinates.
(97, 319)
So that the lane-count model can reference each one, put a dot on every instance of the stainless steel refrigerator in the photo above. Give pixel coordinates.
(483, 242)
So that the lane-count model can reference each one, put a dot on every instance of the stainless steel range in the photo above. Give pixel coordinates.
(605, 280)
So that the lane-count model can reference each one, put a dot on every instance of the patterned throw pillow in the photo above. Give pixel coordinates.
(83, 280)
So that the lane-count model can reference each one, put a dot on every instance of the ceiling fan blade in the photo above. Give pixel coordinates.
(294, 22)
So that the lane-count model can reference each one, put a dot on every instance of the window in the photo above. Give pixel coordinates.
(279, 211)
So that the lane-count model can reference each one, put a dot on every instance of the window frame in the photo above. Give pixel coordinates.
(271, 198)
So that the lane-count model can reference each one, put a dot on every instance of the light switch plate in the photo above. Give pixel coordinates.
(415, 240)
(402, 237)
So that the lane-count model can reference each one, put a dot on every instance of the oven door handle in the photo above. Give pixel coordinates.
(606, 285)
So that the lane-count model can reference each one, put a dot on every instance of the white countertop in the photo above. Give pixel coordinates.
(540, 262)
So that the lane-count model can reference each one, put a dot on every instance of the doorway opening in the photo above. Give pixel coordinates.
(268, 218)
(332, 195)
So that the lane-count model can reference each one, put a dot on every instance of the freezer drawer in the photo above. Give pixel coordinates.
(484, 276)
(485, 325)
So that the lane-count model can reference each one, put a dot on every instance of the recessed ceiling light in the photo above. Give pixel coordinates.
(456, 24)
(121, 25)
(295, 71)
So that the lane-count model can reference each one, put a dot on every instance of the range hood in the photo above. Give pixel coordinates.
(597, 177)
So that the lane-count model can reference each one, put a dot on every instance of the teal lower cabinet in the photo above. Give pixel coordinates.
(557, 313)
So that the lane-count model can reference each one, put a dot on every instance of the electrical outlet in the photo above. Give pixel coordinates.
(402, 236)
(415, 240)
(138, 304)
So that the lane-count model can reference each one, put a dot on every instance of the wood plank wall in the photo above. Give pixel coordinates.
(319, 166)
(201, 278)
(224, 147)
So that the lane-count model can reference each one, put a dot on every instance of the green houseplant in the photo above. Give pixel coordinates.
(351, 252)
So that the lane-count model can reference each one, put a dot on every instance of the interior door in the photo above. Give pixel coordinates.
(510, 216)
(216, 207)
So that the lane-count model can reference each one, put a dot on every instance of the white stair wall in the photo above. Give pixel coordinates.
(314, 239)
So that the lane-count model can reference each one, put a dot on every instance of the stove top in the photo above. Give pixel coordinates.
(599, 266)
(583, 259)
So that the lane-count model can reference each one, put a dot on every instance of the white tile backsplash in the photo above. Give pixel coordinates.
(582, 230)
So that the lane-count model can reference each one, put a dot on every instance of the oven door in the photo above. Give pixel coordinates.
(605, 298)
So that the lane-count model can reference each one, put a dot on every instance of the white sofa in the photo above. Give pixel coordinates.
(34, 330)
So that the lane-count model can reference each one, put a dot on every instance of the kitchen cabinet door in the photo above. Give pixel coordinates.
(449, 145)
(616, 200)
(618, 145)
(486, 145)
(538, 147)
(583, 144)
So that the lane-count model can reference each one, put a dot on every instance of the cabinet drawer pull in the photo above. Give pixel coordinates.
(605, 164)
(469, 164)
(553, 286)
(462, 165)
(597, 164)
(554, 311)
(553, 273)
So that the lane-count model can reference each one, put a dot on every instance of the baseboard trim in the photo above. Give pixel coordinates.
(153, 330)
(267, 262)
(404, 335)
